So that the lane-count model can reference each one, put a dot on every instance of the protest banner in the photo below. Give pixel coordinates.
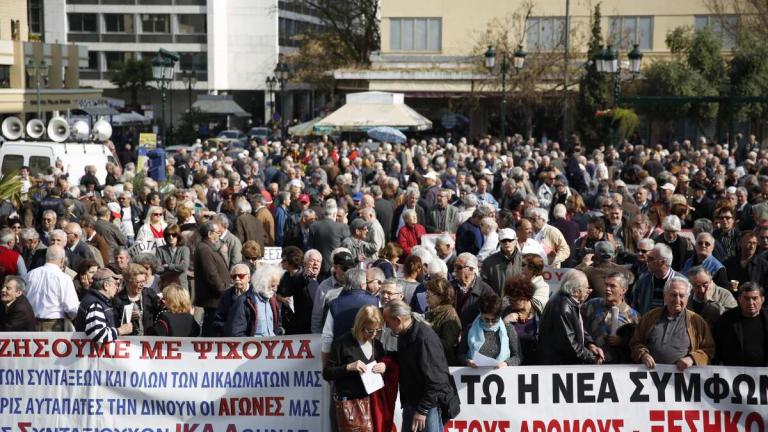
(67, 383)
(553, 277)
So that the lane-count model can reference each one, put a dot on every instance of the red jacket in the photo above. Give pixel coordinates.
(407, 238)
(9, 260)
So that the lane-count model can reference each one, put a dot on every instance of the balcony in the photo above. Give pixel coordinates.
(191, 38)
(83, 37)
(156, 38)
(118, 37)
(139, 2)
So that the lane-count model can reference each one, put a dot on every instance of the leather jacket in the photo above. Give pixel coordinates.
(562, 338)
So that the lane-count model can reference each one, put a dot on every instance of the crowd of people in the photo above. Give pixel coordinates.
(432, 252)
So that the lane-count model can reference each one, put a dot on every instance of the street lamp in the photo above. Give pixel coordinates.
(271, 83)
(282, 74)
(518, 62)
(37, 72)
(189, 77)
(607, 61)
(162, 72)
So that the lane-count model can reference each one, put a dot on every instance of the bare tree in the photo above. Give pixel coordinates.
(350, 28)
(741, 16)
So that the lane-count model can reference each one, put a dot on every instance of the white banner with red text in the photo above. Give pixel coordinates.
(67, 383)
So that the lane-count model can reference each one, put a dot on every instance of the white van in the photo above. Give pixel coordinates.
(40, 155)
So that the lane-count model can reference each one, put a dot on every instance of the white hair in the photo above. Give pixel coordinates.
(424, 254)
(438, 268)
(572, 281)
(559, 211)
(469, 260)
(409, 213)
(670, 223)
(244, 206)
(262, 279)
(678, 279)
(665, 253)
(490, 223)
(537, 212)
(445, 239)
(647, 242)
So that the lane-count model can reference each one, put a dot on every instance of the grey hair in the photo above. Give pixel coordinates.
(222, 219)
(469, 200)
(262, 277)
(412, 191)
(424, 253)
(98, 284)
(21, 284)
(438, 267)
(307, 213)
(560, 211)
(678, 279)
(621, 277)
(148, 259)
(54, 253)
(242, 267)
(354, 278)
(50, 213)
(6, 236)
(666, 224)
(695, 270)
(29, 234)
(572, 281)
(646, 241)
(244, 206)
(703, 225)
(397, 308)
(76, 229)
(308, 254)
(665, 252)
(409, 212)
(537, 212)
(469, 260)
(58, 233)
(395, 282)
(705, 234)
(376, 273)
(490, 223)
(445, 239)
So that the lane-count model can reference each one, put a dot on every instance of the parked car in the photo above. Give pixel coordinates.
(260, 134)
(232, 137)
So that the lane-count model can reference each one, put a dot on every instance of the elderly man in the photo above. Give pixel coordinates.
(679, 245)
(443, 217)
(374, 278)
(555, 245)
(525, 240)
(16, 314)
(326, 235)
(247, 310)
(503, 264)
(747, 266)
(330, 287)
(212, 277)
(11, 262)
(469, 288)
(649, 289)
(741, 334)
(610, 320)
(300, 285)
(568, 228)
(672, 334)
(644, 246)
(233, 253)
(111, 232)
(562, 336)
(361, 249)
(469, 238)
(51, 292)
(30, 243)
(445, 249)
(77, 250)
(708, 300)
(426, 393)
(603, 263)
(376, 233)
(96, 316)
(705, 245)
(343, 309)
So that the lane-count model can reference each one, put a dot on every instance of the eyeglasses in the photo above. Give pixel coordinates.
(643, 251)
(459, 267)
(240, 275)
(173, 235)
(371, 332)
(252, 258)
(724, 217)
(704, 243)
(507, 240)
(157, 214)
(372, 281)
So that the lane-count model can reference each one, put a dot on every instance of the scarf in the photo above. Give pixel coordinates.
(476, 338)
(441, 314)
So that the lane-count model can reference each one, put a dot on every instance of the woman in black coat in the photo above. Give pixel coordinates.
(177, 319)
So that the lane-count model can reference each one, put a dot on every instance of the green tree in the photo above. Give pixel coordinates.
(594, 90)
(749, 76)
(132, 76)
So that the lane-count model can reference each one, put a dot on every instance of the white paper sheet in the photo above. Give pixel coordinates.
(484, 361)
(371, 381)
(127, 312)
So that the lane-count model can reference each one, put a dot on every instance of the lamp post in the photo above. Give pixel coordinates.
(189, 77)
(518, 62)
(282, 73)
(607, 61)
(271, 83)
(162, 72)
(37, 72)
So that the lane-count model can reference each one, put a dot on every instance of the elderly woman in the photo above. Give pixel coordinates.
(442, 316)
(410, 234)
(142, 305)
(153, 229)
(151, 265)
(489, 337)
(174, 257)
(488, 227)
(177, 319)
(347, 360)
(520, 313)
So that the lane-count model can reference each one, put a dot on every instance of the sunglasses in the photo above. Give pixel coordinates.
(459, 267)
(240, 275)
(643, 251)
(252, 258)
(371, 332)
(507, 240)
(157, 214)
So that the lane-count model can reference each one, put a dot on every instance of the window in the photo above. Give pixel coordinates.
(197, 61)
(5, 76)
(113, 58)
(725, 27)
(155, 23)
(12, 163)
(119, 23)
(545, 33)
(82, 22)
(189, 23)
(35, 14)
(93, 60)
(628, 30)
(415, 34)
(39, 164)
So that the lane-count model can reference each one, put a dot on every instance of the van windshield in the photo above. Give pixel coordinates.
(12, 163)
(39, 164)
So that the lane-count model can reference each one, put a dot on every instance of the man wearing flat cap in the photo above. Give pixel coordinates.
(361, 249)
(95, 316)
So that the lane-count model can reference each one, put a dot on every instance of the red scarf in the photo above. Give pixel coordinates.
(156, 233)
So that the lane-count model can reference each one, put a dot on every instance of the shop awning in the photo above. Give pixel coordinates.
(131, 118)
(304, 129)
(219, 105)
(97, 111)
(368, 110)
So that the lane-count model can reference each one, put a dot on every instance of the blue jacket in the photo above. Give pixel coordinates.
(344, 309)
(468, 238)
(642, 294)
(236, 315)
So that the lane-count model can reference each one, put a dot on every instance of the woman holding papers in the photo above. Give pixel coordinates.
(489, 341)
(353, 367)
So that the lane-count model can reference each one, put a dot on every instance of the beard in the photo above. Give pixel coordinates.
(267, 293)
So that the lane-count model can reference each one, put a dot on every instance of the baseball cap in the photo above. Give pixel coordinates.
(357, 196)
(431, 175)
(105, 273)
(304, 198)
(507, 234)
(669, 187)
(344, 259)
(605, 250)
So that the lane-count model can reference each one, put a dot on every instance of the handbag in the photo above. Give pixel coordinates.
(354, 415)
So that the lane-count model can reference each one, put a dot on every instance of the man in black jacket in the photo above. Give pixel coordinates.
(741, 334)
(427, 393)
(469, 288)
(563, 340)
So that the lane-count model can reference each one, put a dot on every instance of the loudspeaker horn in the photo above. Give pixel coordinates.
(58, 129)
(12, 128)
(35, 128)
(80, 130)
(102, 130)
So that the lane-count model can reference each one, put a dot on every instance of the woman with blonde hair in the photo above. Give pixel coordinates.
(347, 360)
(177, 319)
(153, 230)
